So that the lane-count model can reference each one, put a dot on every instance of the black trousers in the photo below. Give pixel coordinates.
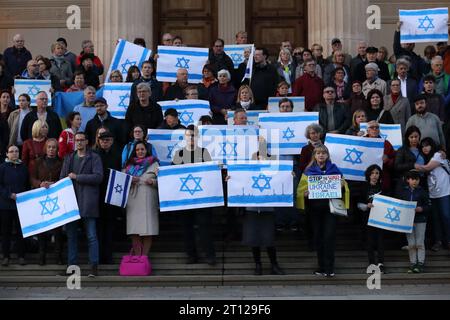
(44, 237)
(10, 218)
(105, 229)
(203, 219)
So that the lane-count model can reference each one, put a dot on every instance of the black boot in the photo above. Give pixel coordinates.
(257, 258)
(258, 269)
(42, 249)
(276, 270)
(42, 259)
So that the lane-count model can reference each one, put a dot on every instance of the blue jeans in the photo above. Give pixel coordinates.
(72, 240)
(441, 219)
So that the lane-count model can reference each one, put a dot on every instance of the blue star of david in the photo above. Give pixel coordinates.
(265, 180)
(288, 134)
(395, 217)
(171, 149)
(118, 188)
(233, 149)
(187, 118)
(196, 181)
(122, 101)
(237, 58)
(422, 24)
(49, 206)
(127, 65)
(183, 63)
(384, 136)
(349, 157)
(33, 91)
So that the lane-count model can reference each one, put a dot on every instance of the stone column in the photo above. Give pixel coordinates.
(344, 19)
(117, 19)
(231, 15)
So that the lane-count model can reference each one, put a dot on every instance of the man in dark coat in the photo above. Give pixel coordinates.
(17, 56)
(148, 76)
(176, 90)
(219, 59)
(333, 117)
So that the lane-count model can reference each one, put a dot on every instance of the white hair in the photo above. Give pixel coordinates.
(226, 72)
(437, 59)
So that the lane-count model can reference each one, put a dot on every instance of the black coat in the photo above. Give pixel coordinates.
(4, 139)
(174, 92)
(404, 161)
(54, 125)
(15, 60)
(360, 72)
(342, 117)
(116, 127)
(264, 84)
(165, 126)
(14, 178)
(111, 159)
(419, 195)
(372, 115)
(155, 85)
(221, 62)
(150, 117)
(417, 64)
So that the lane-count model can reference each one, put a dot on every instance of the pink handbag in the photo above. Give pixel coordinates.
(134, 265)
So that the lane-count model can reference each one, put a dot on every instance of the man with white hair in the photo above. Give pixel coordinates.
(176, 90)
(361, 57)
(16, 57)
(373, 82)
(408, 85)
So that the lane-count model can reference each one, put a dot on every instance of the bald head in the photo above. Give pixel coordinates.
(182, 76)
(18, 41)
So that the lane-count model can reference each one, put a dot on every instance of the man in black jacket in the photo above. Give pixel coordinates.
(148, 76)
(16, 57)
(219, 59)
(176, 90)
(371, 54)
(104, 119)
(171, 120)
(333, 117)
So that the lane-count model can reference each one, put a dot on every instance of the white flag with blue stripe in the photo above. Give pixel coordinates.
(299, 104)
(119, 185)
(392, 214)
(252, 117)
(165, 144)
(427, 25)
(32, 88)
(353, 155)
(170, 59)
(236, 52)
(190, 186)
(226, 143)
(249, 69)
(189, 111)
(389, 132)
(260, 184)
(285, 132)
(118, 97)
(127, 54)
(41, 210)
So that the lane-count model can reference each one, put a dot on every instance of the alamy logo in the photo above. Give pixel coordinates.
(74, 280)
(374, 280)
(73, 22)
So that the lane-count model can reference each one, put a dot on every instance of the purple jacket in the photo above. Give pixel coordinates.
(221, 98)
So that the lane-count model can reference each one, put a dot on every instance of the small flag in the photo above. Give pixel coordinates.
(236, 53)
(119, 185)
(249, 69)
(429, 25)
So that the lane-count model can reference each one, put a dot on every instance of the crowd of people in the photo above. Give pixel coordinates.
(373, 87)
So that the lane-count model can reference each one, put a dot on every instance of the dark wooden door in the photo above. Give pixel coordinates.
(194, 20)
(271, 21)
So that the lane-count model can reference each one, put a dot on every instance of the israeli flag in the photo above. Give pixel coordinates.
(390, 132)
(353, 155)
(127, 54)
(252, 117)
(392, 214)
(170, 59)
(236, 53)
(226, 143)
(260, 184)
(285, 132)
(299, 104)
(190, 186)
(41, 210)
(118, 97)
(166, 143)
(189, 111)
(428, 25)
(119, 185)
(249, 70)
(32, 88)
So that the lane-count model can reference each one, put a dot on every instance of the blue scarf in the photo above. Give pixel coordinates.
(330, 169)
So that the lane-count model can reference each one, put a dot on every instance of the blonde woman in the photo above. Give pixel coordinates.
(358, 117)
(34, 148)
(245, 99)
(285, 67)
(116, 76)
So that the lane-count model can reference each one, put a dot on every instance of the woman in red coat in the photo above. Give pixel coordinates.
(66, 139)
(34, 148)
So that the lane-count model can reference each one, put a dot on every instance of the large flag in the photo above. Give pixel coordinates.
(190, 186)
(170, 59)
(299, 104)
(285, 132)
(428, 25)
(353, 155)
(390, 132)
(127, 54)
(226, 143)
(189, 111)
(118, 97)
(392, 214)
(236, 53)
(65, 102)
(260, 184)
(165, 144)
(119, 185)
(249, 69)
(43, 209)
(252, 117)
(32, 88)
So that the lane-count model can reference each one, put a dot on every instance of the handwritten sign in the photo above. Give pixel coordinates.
(325, 187)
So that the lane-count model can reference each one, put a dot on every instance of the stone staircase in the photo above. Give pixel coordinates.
(235, 264)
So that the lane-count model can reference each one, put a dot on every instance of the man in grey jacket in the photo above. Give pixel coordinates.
(86, 171)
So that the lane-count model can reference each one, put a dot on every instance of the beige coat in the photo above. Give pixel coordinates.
(400, 112)
(13, 123)
(143, 206)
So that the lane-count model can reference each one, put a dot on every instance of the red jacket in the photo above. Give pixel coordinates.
(447, 60)
(98, 63)
(32, 150)
(66, 143)
(309, 87)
